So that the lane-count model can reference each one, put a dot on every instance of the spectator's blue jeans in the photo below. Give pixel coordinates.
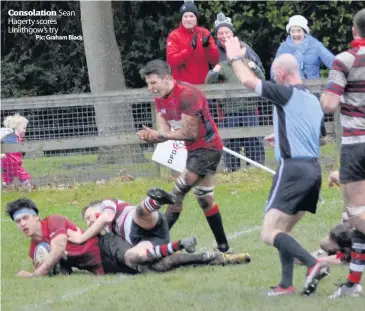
(253, 146)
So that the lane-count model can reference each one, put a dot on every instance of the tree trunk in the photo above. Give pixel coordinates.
(106, 74)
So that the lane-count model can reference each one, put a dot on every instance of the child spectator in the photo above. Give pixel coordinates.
(12, 163)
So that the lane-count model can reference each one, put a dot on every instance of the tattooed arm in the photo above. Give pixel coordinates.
(188, 132)
(162, 124)
(191, 103)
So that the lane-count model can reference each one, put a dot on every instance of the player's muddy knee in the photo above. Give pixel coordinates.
(133, 258)
(204, 196)
(181, 188)
(139, 210)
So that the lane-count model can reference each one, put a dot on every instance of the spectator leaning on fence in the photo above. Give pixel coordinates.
(308, 51)
(190, 48)
(238, 113)
(12, 163)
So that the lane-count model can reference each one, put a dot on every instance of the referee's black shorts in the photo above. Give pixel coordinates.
(296, 186)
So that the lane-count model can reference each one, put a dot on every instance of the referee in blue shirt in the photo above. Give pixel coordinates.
(295, 190)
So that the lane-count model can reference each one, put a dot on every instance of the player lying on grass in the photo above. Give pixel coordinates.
(337, 245)
(340, 239)
(113, 248)
(53, 230)
(142, 226)
(109, 258)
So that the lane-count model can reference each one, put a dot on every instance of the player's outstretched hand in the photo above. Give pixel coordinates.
(74, 236)
(334, 179)
(24, 274)
(149, 135)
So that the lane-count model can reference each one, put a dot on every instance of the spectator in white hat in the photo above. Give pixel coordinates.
(307, 50)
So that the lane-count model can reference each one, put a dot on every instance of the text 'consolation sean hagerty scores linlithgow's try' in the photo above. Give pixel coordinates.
(39, 23)
(41, 13)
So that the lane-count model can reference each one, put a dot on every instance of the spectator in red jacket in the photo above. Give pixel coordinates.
(190, 48)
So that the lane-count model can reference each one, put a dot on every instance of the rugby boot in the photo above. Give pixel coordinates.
(188, 244)
(345, 291)
(230, 259)
(314, 275)
(280, 291)
(161, 196)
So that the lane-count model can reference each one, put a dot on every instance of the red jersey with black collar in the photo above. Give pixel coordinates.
(189, 100)
(85, 256)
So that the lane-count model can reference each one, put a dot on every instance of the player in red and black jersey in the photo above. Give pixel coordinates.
(184, 115)
(53, 230)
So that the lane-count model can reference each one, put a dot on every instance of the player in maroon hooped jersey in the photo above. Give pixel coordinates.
(53, 230)
(184, 115)
(346, 90)
(142, 226)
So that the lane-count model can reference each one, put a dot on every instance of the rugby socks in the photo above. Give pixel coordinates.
(163, 250)
(171, 218)
(287, 269)
(214, 219)
(151, 205)
(288, 245)
(357, 264)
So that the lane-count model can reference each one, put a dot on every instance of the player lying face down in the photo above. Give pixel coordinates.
(51, 234)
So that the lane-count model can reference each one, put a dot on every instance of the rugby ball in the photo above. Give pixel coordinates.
(41, 253)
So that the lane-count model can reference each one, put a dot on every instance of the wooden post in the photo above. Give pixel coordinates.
(155, 126)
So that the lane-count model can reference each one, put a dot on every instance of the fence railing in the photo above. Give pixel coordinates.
(85, 137)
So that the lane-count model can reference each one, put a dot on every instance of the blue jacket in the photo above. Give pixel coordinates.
(309, 54)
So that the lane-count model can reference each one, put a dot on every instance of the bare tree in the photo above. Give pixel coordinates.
(106, 74)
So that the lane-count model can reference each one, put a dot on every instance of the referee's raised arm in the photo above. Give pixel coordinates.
(285, 68)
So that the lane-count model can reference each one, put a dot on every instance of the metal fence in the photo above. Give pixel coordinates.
(89, 137)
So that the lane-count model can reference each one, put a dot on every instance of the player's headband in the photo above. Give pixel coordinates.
(22, 212)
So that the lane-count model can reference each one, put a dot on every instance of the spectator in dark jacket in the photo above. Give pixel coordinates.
(190, 48)
(237, 112)
(224, 29)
